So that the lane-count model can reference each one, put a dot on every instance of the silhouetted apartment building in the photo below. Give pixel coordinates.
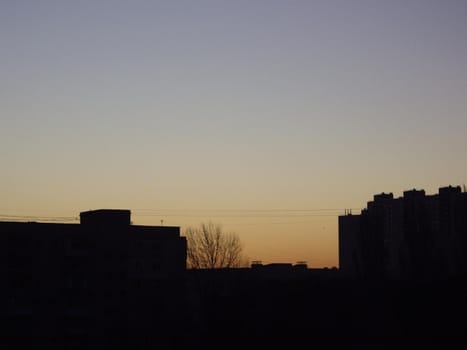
(74, 283)
(414, 236)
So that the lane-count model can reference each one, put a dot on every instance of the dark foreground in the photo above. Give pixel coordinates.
(231, 309)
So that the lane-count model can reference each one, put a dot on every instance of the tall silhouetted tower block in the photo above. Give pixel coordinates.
(350, 245)
(414, 236)
(452, 230)
(85, 283)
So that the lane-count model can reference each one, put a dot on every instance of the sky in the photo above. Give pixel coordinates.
(268, 117)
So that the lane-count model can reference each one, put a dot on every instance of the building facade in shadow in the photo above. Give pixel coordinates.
(415, 236)
(83, 285)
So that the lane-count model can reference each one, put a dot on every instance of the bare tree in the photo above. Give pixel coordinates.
(209, 247)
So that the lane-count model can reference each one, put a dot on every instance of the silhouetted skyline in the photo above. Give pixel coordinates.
(106, 284)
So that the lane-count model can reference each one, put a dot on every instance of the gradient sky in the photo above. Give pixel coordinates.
(254, 114)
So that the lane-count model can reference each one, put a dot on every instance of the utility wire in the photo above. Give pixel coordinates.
(202, 213)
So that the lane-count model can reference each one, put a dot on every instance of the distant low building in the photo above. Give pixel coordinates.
(414, 236)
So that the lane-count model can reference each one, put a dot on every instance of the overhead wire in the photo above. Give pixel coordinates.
(287, 213)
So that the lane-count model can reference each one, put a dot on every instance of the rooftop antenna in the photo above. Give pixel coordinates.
(464, 189)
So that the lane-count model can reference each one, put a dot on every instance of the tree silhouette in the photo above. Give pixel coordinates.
(209, 247)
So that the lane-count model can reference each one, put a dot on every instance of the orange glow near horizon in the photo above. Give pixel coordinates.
(280, 240)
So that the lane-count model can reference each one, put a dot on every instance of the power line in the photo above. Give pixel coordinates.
(38, 218)
(241, 213)
(246, 210)
(286, 213)
(236, 216)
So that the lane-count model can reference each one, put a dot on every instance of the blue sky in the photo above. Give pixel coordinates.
(249, 105)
